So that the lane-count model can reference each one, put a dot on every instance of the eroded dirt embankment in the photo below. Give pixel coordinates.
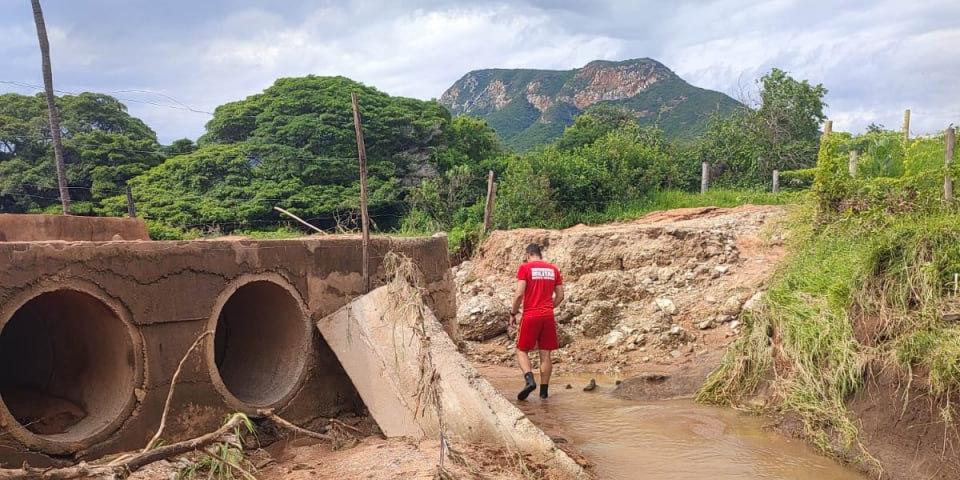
(657, 299)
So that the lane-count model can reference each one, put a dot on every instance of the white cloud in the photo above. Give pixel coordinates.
(876, 57)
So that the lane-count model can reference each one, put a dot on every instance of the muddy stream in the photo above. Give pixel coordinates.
(672, 439)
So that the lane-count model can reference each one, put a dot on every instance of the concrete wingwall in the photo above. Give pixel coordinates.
(416, 383)
(20, 227)
(92, 332)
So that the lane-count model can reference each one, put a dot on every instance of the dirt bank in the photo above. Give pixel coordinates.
(656, 298)
(903, 427)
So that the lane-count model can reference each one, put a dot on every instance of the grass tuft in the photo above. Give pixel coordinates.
(889, 277)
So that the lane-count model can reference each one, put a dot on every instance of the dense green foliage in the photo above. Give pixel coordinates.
(745, 147)
(294, 146)
(872, 267)
(677, 108)
(104, 146)
(893, 174)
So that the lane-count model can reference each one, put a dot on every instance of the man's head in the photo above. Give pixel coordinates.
(534, 252)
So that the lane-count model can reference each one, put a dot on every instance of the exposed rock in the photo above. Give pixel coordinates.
(553, 96)
(482, 317)
(666, 305)
(611, 284)
(706, 324)
(733, 304)
(613, 338)
(754, 302)
(567, 311)
(598, 319)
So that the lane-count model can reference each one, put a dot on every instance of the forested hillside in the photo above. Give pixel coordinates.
(530, 108)
(293, 146)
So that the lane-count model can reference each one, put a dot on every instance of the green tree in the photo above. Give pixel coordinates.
(783, 133)
(788, 121)
(103, 147)
(596, 122)
(293, 146)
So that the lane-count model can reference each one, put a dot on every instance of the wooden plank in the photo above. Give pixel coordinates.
(704, 177)
(364, 215)
(951, 140)
(131, 208)
(488, 208)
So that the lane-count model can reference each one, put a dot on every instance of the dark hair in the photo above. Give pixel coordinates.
(534, 249)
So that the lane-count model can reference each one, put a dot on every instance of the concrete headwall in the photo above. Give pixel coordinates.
(33, 228)
(92, 332)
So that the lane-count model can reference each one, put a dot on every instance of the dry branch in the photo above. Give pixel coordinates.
(280, 422)
(123, 469)
(173, 383)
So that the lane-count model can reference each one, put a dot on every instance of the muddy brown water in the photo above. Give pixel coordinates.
(672, 439)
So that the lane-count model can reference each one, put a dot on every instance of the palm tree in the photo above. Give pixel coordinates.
(52, 107)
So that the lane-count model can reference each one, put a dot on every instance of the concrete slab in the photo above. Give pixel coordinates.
(395, 350)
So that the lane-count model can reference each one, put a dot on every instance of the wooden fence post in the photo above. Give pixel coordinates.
(951, 138)
(488, 208)
(906, 124)
(131, 208)
(776, 181)
(364, 217)
(827, 128)
(852, 165)
(704, 177)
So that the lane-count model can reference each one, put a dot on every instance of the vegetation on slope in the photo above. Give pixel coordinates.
(671, 104)
(293, 146)
(873, 264)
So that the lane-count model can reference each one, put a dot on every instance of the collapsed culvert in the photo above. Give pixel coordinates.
(262, 343)
(69, 367)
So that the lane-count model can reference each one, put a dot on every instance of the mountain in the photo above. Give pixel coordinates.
(532, 107)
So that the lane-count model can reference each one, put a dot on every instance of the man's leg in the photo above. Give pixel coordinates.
(526, 339)
(523, 360)
(548, 342)
(546, 366)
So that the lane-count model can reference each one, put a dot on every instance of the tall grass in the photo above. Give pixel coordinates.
(893, 269)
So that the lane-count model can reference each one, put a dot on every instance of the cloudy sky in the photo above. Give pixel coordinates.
(173, 60)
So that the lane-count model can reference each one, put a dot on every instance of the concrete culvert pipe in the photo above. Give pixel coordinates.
(69, 366)
(262, 344)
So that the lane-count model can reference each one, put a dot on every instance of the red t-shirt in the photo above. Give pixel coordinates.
(541, 277)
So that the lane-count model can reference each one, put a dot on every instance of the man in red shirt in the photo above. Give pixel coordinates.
(539, 288)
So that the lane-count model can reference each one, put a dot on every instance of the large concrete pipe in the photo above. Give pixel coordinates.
(70, 363)
(262, 343)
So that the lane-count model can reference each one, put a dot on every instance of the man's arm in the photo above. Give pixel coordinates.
(557, 295)
(517, 300)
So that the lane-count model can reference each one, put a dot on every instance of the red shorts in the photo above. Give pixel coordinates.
(537, 332)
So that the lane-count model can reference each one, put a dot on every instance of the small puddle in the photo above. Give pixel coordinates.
(673, 439)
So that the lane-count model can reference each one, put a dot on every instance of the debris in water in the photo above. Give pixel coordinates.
(618, 382)
(569, 386)
(591, 386)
